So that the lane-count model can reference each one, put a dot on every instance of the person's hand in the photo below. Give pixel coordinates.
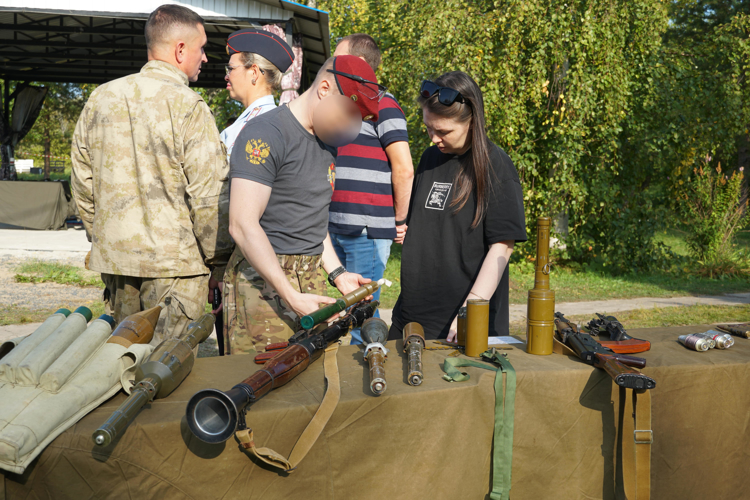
(401, 233)
(348, 282)
(306, 303)
(453, 332)
(213, 285)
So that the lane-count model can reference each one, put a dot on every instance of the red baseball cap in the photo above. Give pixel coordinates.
(356, 80)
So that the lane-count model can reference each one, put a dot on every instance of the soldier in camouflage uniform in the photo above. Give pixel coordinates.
(149, 177)
(282, 171)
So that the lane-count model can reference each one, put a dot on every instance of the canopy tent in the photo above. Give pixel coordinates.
(84, 41)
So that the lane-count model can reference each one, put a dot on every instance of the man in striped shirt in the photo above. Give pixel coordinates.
(373, 182)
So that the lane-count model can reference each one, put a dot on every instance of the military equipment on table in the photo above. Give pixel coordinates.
(477, 327)
(214, 416)
(618, 366)
(166, 368)
(351, 298)
(619, 340)
(709, 339)
(219, 322)
(720, 339)
(413, 345)
(540, 311)
(137, 328)
(375, 334)
(695, 342)
(741, 330)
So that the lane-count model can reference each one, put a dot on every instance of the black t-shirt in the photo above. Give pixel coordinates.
(274, 149)
(442, 255)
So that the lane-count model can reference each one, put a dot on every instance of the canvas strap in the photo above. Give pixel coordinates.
(636, 458)
(505, 398)
(314, 428)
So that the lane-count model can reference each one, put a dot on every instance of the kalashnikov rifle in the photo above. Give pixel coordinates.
(619, 340)
(618, 366)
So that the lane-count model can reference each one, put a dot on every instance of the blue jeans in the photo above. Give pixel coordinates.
(364, 256)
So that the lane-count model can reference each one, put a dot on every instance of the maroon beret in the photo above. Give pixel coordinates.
(356, 80)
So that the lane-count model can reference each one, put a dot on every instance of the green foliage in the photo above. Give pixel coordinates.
(560, 82)
(601, 105)
(712, 211)
(57, 120)
(54, 272)
(225, 110)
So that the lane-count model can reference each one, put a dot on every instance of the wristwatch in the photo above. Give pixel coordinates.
(335, 274)
(400, 222)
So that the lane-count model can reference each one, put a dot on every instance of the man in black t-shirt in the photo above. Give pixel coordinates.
(282, 177)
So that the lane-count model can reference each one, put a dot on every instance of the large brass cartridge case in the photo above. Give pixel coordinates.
(540, 312)
(477, 327)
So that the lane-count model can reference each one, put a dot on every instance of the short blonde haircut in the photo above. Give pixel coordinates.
(271, 72)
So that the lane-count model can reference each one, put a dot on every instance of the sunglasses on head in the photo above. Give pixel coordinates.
(446, 95)
(369, 89)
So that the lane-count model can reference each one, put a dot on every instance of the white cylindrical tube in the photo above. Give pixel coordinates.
(10, 361)
(42, 356)
(77, 353)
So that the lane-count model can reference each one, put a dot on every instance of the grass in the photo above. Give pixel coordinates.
(578, 286)
(16, 315)
(54, 176)
(54, 272)
(664, 317)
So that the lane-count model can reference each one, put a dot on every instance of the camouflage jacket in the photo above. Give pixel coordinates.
(149, 177)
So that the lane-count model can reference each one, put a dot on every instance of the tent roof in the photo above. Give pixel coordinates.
(80, 41)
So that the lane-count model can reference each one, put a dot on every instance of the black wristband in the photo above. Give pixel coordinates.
(335, 274)
(400, 222)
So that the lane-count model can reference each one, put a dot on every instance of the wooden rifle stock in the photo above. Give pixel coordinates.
(623, 375)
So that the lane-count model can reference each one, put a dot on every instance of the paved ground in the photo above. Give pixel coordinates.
(70, 244)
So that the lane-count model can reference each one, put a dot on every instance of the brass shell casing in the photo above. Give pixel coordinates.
(540, 312)
(477, 327)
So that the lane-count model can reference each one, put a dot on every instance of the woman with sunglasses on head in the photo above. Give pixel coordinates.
(466, 213)
(257, 63)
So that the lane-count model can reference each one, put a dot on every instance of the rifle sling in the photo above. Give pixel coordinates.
(636, 458)
(505, 399)
(313, 430)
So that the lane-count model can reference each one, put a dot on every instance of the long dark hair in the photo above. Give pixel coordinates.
(475, 171)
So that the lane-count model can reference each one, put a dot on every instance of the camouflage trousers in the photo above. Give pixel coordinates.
(254, 314)
(126, 295)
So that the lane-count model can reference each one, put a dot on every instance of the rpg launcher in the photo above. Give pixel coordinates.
(618, 366)
(165, 369)
(214, 416)
(619, 340)
(309, 321)
(375, 333)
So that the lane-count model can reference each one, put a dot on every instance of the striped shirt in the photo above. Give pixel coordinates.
(363, 194)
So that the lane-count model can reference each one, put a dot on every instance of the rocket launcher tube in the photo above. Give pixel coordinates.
(375, 333)
(213, 416)
(413, 345)
(162, 373)
(348, 300)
